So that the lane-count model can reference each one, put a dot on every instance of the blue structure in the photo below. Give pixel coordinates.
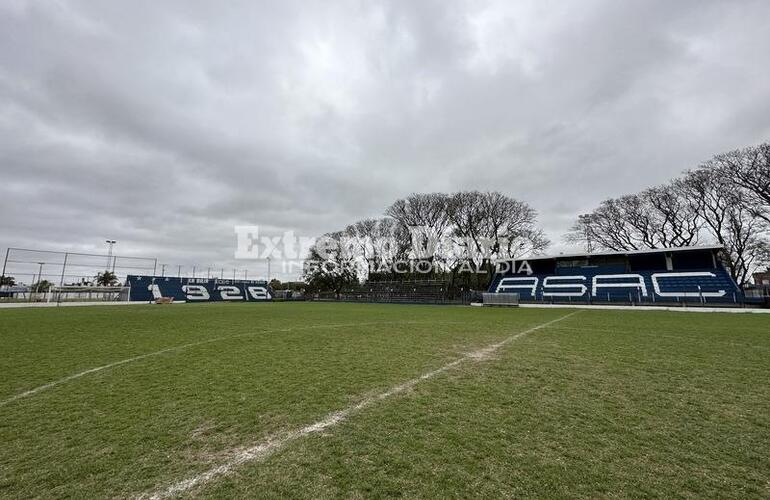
(150, 288)
(693, 275)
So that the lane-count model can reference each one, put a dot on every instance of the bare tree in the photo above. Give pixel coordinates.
(607, 227)
(466, 213)
(705, 202)
(378, 242)
(658, 217)
(678, 222)
(748, 170)
(582, 233)
(426, 216)
(729, 217)
(362, 233)
(493, 226)
(641, 221)
(746, 250)
(510, 226)
(330, 264)
(488, 226)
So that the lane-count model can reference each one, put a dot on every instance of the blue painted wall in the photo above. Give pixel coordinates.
(614, 284)
(149, 288)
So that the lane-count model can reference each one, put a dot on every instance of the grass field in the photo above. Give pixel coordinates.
(327, 400)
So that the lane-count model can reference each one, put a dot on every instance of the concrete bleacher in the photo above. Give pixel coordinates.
(422, 291)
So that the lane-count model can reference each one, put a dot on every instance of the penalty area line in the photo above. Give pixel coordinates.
(272, 444)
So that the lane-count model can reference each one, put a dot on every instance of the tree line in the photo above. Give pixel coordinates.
(429, 235)
(725, 200)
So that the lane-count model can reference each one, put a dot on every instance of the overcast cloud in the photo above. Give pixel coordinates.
(164, 124)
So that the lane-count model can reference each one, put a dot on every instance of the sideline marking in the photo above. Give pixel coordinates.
(74, 376)
(653, 335)
(274, 443)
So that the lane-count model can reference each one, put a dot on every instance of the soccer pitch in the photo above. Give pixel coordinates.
(356, 400)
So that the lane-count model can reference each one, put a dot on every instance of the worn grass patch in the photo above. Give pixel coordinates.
(604, 403)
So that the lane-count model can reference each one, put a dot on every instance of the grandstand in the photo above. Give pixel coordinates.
(686, 275)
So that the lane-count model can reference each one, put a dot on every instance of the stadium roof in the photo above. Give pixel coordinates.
(624, 252)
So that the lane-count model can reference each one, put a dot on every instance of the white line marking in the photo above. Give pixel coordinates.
(74, 376)
(682, 308)
(648, 335)
(274, 443)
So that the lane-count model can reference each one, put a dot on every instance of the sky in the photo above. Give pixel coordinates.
(163, 125)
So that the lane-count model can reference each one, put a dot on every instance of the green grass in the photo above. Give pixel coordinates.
(601, 404)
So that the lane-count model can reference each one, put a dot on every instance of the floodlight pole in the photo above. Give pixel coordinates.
(268, 269)
(162, 270)
(109, 252)
(193, 272)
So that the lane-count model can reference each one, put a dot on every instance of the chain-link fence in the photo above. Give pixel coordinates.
(42, 268)
(210, 272)
(28, 274)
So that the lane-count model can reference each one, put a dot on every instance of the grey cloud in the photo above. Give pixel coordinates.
(163, 125)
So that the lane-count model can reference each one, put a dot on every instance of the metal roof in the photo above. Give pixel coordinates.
(625, 252)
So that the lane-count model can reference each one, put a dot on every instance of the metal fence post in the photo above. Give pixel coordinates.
(5, 262)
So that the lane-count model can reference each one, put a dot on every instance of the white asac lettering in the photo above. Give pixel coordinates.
(507, 284)
(581, 286)
(638, 282)
(656, 285)
(229, 292)
(258, 292)
(195, 292)
(155, 289)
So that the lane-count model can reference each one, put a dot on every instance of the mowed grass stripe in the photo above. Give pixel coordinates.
(263, 450)
(45, 345)
(177, 348)
(116, 433)
(604, 411)
(40, 346)
(566, 414)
